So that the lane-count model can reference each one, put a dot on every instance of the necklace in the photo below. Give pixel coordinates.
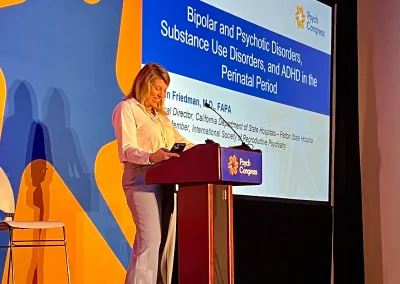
(157, 118)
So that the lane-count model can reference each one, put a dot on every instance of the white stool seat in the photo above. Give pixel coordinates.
(32, 225)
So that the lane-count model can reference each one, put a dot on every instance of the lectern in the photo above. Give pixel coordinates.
(205, 175)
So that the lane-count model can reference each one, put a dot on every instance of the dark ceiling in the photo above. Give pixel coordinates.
(333, 2)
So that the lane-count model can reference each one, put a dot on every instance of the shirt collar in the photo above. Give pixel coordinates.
(135, 102)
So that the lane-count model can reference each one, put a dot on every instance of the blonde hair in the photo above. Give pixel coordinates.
(143, 81)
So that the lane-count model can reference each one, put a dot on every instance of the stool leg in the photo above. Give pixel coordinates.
(66, 256)
(11, 260)
(9, 264)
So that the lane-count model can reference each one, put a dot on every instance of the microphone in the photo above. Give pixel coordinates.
(244, 146)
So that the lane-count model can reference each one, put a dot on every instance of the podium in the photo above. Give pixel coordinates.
(205, 175)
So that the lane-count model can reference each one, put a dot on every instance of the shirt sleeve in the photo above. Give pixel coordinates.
(125, 130)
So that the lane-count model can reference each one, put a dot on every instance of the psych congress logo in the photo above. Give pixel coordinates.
(300, 17)
(308, 20)
(233, 165)
(241, 166)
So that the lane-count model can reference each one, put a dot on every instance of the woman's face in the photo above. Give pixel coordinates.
(158, 91)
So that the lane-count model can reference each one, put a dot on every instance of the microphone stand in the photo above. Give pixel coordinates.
(243, 146)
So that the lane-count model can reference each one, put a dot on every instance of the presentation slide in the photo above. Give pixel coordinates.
(265, 66)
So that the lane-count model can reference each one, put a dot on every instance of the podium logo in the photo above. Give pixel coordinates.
(233, 165)
(300, 17)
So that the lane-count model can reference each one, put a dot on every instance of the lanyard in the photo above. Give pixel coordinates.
(156, 118)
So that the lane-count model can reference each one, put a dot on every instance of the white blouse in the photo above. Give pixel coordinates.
(140, 133)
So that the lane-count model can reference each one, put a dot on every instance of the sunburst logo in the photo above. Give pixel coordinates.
(300, 17)
(233, 165)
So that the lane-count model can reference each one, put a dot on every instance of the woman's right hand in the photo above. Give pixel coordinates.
(161, 155)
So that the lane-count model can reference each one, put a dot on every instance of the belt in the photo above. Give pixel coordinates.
(138, 168)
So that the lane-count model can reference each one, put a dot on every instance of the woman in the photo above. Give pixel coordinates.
(144, 135)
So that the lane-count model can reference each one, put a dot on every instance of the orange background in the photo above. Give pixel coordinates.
(44, 196)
